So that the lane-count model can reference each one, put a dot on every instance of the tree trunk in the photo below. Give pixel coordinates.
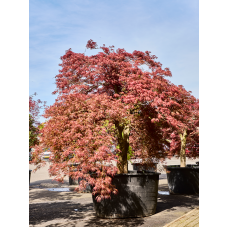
(123, 141)
(182, 151)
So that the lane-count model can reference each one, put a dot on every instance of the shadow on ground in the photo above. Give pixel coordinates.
(63, 214)
(163, 187)
(43, 212)
(45, 195)
(129, 222)
(65, 211)
(169, 202)
(47, 183)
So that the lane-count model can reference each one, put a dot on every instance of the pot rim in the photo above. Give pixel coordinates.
(171, 167)
(138, 174)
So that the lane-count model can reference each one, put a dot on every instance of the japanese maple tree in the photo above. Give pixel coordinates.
(186, 131)
(108, 109)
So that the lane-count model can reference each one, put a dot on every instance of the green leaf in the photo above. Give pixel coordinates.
(130, 153)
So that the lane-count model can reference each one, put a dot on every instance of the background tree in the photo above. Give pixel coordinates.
(104, 100)
(34, 109)
(186, 132)
(33, 133)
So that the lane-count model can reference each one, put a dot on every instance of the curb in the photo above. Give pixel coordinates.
(178, 221)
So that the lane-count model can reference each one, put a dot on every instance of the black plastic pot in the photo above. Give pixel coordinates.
(183, 180)
(137, 196)
(30, 175)
(77, 182)
(71, 180)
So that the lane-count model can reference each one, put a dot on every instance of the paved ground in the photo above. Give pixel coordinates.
(69, 209)
(191, 219)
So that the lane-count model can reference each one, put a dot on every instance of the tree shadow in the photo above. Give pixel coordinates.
(163, 187)
(48, 212)
(121, 222)
(63, 214)
(45, 195)
(42, 212)
(170, 202)
(47, 183)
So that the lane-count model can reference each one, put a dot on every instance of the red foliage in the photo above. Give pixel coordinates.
(35, 106)
(34, 110)
(91, 44)
(187, 115)
(100, 95)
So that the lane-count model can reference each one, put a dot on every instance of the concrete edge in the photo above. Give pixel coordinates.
(169, 224)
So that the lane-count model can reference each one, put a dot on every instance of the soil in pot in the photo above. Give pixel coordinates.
(137, 196)
(183, 180)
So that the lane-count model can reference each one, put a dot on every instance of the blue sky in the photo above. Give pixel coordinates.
(167, 28)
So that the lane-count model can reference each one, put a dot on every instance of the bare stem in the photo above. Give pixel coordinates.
(123, 140)
(183, 146)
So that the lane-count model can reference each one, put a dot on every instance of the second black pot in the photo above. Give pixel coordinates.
(71, 180)
(183, 180)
